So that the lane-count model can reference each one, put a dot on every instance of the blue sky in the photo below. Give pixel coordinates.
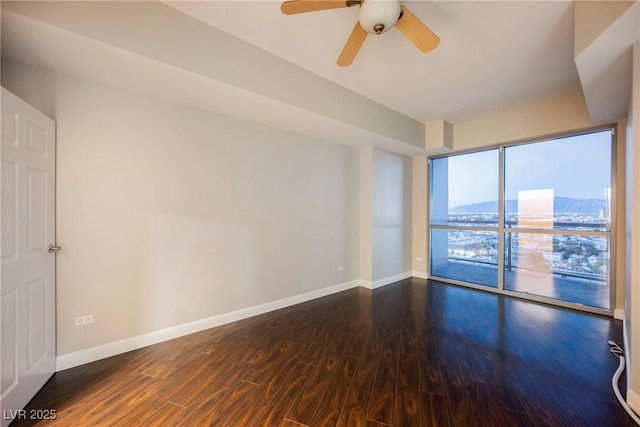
(577, 167)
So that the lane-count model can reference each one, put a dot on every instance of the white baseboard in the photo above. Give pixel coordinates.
(633, 400)
(625, 343)
(366, 284)
(618, 313)
(391, 279)
(419, 274)
(92, 354)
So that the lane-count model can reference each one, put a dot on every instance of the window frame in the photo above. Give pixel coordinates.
(500, 229)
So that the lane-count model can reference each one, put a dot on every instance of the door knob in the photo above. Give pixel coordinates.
(51, 249)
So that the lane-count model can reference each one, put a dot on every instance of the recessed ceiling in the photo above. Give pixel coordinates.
(492, 55)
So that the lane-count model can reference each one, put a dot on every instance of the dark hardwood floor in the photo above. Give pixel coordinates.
(414, 353)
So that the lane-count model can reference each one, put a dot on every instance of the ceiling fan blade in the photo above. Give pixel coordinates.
(352, 46)
(416, 31)
(300, 6)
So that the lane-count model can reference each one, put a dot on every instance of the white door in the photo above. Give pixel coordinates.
(28, 264)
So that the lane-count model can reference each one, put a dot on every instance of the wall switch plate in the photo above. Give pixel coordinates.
(84, 320)
(340, 268)
(419, 258)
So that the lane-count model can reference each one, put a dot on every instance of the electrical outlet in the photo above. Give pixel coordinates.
(419, 258)
(340, 268)
(84, 320)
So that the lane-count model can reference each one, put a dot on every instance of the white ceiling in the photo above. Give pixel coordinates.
(493, 55)
(248, 60)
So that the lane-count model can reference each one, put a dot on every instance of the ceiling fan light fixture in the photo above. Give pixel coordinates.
(379, 16)
(376, 17)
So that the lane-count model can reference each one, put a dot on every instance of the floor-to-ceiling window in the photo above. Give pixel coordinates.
(532, 219)
(464, 217)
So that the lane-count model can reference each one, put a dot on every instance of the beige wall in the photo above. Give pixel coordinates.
(632, 238)
(169, 214)
(391, 214)
(535, 120)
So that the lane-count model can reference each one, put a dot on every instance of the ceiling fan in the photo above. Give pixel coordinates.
(376, 17)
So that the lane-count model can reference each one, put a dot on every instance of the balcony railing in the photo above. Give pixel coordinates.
(557, 225)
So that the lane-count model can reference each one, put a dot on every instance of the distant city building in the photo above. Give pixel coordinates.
(562, 253)
(466, 248)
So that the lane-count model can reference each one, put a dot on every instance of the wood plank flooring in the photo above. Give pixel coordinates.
(414, 353)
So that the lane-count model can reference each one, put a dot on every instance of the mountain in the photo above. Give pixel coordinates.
(561, 205)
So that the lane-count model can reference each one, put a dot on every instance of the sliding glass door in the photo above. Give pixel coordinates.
(533, 219)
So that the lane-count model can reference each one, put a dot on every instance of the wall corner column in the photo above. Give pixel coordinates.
(419, 250)
(366, 220)
(438, 137)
